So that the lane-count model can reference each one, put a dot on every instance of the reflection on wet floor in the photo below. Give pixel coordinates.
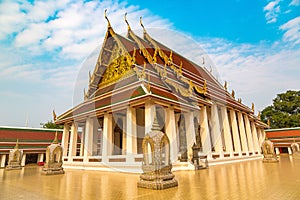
(245, 180)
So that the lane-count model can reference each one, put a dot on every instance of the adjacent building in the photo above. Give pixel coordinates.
(31, 141)
(283, 138)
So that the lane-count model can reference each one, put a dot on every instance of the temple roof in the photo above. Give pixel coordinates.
(132, 68)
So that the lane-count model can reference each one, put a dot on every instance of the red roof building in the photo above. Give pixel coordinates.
(283, 138)
(32, 141)
(136, 79)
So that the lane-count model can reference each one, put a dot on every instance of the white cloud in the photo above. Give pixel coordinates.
(272, 10)
(292, 31)
(295, 3)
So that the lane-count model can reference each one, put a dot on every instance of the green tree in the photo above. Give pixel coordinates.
(51, 125)
(285, 111)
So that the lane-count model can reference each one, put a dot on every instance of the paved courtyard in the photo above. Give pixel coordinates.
(245, 180)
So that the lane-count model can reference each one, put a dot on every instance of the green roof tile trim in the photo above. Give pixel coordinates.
(282, 129)
(30, 129)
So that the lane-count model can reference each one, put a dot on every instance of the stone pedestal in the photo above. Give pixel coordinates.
(199, 162)
(295, 149)
(156, 161)
(268, 152)
(53, 164)
(14, 160)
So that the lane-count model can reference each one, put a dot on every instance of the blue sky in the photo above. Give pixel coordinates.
(254, 45)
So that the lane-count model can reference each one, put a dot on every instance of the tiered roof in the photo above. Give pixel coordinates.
(131, 69)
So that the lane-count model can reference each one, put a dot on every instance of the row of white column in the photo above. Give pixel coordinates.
(235, 132)
(240, 134)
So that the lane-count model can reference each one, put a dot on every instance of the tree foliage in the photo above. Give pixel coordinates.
(51, 125)
(285, 111)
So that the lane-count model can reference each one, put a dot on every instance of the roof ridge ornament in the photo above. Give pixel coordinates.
(141, 23)
(105, 16)
(125, 18)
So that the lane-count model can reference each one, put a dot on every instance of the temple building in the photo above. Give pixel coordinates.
(136, 78)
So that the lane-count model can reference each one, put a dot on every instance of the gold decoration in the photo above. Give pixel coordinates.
(133, 55)
(148, 86)
(202, 90)
(268, 122)
(141, 47)
(233, 94)
(252, 107)
(183, 91)
(128, 26)
(258, 115)
(154, 56)
(225, 85)
(108, 23)
(170, 57)
(117, 68)
(85, 95)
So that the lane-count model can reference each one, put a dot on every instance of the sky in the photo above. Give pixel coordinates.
(47, 47)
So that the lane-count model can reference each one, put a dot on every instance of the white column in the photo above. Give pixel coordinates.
(73, 142)
(40, 157)
(170, 124)
(95, 135)
(259, 136)
(249, 134)
(131, 137)
(216, 131)
(290, 151)
(235, 132)
(190, 133)
(88, 139)
(82, 142)
(226, 129)
(277, 151)
(107, 137)
(243, 133)
(65, 139)
(255, 138)
(149, 116)
(23, 161)
(204, 132)
(3, 159)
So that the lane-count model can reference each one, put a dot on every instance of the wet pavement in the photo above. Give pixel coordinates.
(244, 180)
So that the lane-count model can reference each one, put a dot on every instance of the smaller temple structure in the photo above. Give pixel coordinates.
(156, 164)
(53, 164)
(268, 152)
(15, 156)
(295, 149)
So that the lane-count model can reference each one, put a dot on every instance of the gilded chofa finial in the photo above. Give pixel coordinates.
(233, 94)
(225, 85)
(205, 87)
(85, 95)
(252, 107)
(170, 57)
(55, 141)
(108, 25)
(258, 115)
(269, 123)
(128, 26)
(141, 23)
